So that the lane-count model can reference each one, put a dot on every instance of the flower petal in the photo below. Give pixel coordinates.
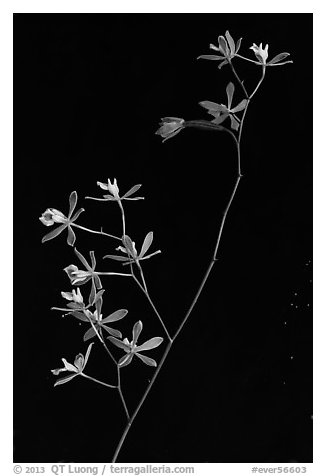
(222, 64)
(147, 243)
(120, 344)
(230, 92)
(115, 316)
(65, 380)
(83, 260)
(72, 203)
(116, 257)
(125, 360)
(230, 42)
(112, 332)
(223, 45)
(93, 260)
(211, 57)
(68, 366)
(220, 119)
(150, 344)
(89, 334)
(240, 106)
(79, 315)
(147, 360)
(237, 48)
(104, 186)
(132, 190)
(76, 215)
(279, 57)
(213, 106)
(138, 327)
(87, 354)
(53, 233)
(71, 236)
(234, 123)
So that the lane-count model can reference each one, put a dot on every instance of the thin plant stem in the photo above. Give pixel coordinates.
(97, 381)
(121, 394)
(239, 80)
(94, 231)
(202, 284)
(144, 289)
(260, 64)
(112, 273)
(202, 124)
(259, 83)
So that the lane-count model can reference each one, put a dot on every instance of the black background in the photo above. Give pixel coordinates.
(89, 91)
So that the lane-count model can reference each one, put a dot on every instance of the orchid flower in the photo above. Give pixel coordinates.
(226, 47)
(98, 322)
(52, 215)
(113, 190)
(129, 248)
(76, 368)
(131, 348)
(260, 52)
(78, 276)
(170, 126)
(221, 112)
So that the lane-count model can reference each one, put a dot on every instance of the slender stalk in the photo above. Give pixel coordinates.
(259, 63)
(239, 80)
(128, 426)
(144, 289)
(260, 81)
(121, 394)
(104, 273)
(202, 124)
(94, 231)
(207, 273)
(97, 381)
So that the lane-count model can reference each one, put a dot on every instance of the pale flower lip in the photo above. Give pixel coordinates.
(52, 216)
(76, 368)
(260, 52)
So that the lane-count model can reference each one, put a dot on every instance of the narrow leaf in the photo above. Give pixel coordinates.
(150, 344)
(147, 243)
(115, 316)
